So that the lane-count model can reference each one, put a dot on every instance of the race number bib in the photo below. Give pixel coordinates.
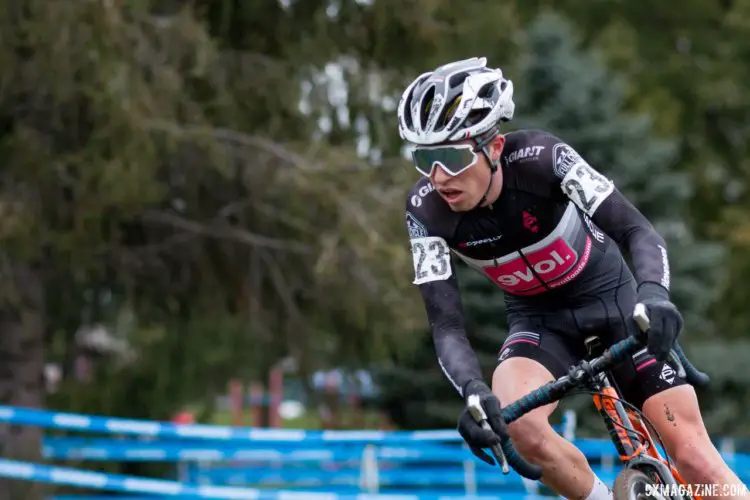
(432, 259)
(586, 187)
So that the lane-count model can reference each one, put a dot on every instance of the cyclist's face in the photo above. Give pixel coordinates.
(462, 192)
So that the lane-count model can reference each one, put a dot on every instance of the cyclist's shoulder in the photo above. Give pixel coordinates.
(528, 161)
(530, 148)
(545, 153)
(530, 137)
(427, 214)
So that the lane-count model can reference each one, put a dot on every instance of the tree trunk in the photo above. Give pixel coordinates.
(21, 368)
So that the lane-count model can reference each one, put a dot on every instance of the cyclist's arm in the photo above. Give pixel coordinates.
(625, 224)
(608, 208)
(438, 285)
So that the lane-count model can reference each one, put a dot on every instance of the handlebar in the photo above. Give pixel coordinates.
(506, 454)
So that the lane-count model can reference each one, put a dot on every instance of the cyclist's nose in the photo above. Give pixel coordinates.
(439, 176)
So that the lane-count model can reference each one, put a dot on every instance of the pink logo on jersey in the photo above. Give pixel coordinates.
(553, 265)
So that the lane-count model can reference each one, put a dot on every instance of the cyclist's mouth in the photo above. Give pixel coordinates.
(451, 195)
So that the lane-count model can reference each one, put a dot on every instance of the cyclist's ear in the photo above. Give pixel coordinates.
(496, 146)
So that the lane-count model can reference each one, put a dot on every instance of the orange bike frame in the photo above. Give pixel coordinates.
(628, 431)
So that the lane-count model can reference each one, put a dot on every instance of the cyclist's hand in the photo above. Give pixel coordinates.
(666, 321)
(470, 430)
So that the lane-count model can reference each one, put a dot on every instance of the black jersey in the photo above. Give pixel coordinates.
(550, 241)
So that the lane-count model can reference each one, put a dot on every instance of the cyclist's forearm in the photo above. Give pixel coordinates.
(456, 358)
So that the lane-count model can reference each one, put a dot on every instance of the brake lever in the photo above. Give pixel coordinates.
(641, 317)
(477, 412)
(674, 360)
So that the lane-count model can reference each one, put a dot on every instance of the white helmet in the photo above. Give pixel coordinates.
(457, 101)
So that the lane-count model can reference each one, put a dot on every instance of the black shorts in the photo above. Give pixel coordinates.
(555, 338)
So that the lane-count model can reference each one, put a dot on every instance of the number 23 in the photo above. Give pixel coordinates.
(583, 187)
(439, 262)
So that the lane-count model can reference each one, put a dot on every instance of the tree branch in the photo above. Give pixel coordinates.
(224, 233)
(227, 135)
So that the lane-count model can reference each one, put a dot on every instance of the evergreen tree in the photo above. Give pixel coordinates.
(564, 90)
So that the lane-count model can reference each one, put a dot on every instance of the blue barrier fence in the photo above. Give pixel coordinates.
(165, 430)
(228, 462)
(56, 447)
(128, 484)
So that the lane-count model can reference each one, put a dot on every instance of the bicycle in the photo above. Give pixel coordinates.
(644, 466)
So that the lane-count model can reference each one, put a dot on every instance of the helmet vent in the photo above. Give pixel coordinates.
(427, 99)
(457, 79)
(486, 91)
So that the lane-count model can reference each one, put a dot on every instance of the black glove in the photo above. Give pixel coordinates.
(666, 321)
(476, 437)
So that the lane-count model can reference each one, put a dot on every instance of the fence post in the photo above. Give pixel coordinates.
(236, 402)
(470, 475)
(727, 448)
(257, 401)
(276, 393)
(184, 468)
(369, 478)
(569, 425)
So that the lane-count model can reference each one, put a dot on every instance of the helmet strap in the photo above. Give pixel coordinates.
(481, 144)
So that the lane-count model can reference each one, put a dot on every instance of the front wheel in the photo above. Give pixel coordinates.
(632, 484)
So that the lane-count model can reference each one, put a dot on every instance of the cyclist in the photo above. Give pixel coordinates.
(526, 210)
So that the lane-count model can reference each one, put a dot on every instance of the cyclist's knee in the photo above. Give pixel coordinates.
(531, 437)
(695, 461)
(513, 379)
(676, 416)
(695, 454)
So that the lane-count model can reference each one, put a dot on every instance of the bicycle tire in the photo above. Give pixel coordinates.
(633, 484)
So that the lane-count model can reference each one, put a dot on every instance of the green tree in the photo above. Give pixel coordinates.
(163, 184)
(563, 89)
